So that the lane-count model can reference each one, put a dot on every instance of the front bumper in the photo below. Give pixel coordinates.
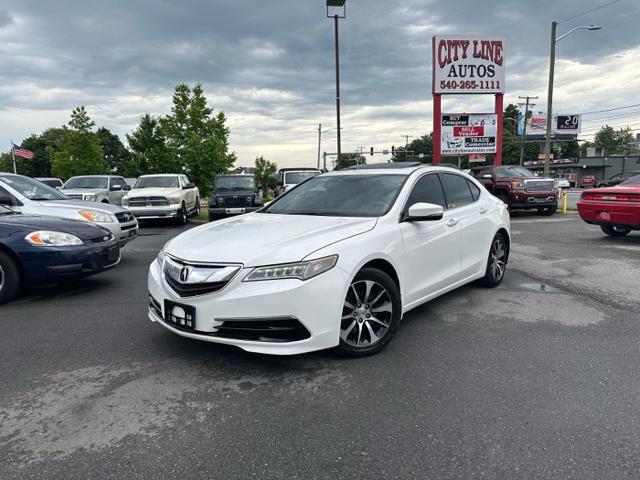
(48, 265)
(602, 213)
(148, 213)
(315, 303)
(123, 232)
(522, 199)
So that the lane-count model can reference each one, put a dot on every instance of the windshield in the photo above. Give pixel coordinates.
(294, 178)
(513, 172)
(87, 182)
(632, 181)
(32, 189)
(341, 196)
(52, 182)
(157, 182)
(235, 183)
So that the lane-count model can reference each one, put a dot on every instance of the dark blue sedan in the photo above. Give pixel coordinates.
(39, 251)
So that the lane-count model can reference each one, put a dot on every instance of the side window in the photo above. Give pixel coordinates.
(6, 198)
(475, 191)
(117, 182)
(427, 190)
(457, 188)
(185, 180)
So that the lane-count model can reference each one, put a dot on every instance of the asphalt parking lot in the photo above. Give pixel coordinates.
(535, 379)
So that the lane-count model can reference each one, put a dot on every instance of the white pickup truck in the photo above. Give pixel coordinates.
(166, 196)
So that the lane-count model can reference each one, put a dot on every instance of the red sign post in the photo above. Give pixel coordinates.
(467, 65)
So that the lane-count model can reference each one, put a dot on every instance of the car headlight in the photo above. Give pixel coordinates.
(90, 197)
(174, 200)
(160, 256)
(517, 185)
(220, 201)
(299, 270)
(47, 238)
(94, 216)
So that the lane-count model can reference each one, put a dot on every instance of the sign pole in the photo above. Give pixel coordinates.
(13, 155)
(499, 110)
(437, 127)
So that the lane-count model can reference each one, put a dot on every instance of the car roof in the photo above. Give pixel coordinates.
(383, 169)
(161, 175)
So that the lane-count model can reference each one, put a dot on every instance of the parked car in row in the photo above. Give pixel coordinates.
(29, 196)
(617, 179)
(588, 181)
(336, 262)
(290, 177)
(96, 188)
(233, 195)
(39, 251)
(562, 182)
(51, 181)
(615, 209)
(167, 196)
(519, 188)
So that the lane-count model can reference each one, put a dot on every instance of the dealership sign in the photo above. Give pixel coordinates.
(568, 124)
(468, 64)
(468, 133)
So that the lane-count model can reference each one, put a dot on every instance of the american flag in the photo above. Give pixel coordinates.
(22, 152)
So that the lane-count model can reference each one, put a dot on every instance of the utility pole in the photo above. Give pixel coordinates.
(524, 124)
(319, 142)
(406, 145)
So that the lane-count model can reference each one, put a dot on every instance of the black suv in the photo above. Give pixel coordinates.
(233, 195)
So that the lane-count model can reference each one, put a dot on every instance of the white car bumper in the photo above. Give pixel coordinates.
(316, 304)
(168, 211)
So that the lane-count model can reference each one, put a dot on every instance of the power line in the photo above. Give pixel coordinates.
(612, 109)
(589, 11)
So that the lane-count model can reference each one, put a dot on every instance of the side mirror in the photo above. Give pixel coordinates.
(486, 176)
(189, 185)
(423, 212)
(126, 188)
(6, 200)
(116, 188)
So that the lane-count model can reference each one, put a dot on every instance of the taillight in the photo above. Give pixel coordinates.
(611, 197)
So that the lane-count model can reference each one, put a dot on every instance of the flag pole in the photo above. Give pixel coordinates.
(13, 155)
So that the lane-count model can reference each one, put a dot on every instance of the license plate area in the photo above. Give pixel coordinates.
(235, 210)
(180, 316)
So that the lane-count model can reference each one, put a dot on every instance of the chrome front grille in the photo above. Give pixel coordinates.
(189, 280)
(538, 185)
(148, 202)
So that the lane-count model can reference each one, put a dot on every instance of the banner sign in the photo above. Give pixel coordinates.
(464, 64)
(562, 124)
(468, 133)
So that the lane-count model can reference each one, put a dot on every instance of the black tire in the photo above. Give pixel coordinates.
(496, 262)
(196, 210)
(616, 231)
(548, 211)
(182, 217)
(362, 333)
(9, 279)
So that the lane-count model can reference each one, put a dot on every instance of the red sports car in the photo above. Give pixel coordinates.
(615, 209)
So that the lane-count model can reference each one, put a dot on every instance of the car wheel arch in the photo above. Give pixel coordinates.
(507, 239)
(384, 266)
(12, 255)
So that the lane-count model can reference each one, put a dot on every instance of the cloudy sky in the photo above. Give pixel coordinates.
(269, 65)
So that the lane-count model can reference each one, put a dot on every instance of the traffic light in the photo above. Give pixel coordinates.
(371, 152)
(393, 149)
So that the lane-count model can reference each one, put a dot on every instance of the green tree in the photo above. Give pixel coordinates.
(265, 174)
(349, 160)
(614, 142)
(80, 120)
(422, 145)
(79, 151)
(149, 151)
(115, 153)
(570, 149)
(198, 138)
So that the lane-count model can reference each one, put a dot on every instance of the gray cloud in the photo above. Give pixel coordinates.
(269, 65)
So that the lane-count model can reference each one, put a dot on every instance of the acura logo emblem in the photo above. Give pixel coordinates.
(184, 274)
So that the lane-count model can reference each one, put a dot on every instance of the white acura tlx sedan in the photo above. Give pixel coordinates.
(335, 262)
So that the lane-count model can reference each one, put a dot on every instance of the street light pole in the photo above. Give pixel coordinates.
(336, 17)
(319, 142)
(552, 62)
(524, 126)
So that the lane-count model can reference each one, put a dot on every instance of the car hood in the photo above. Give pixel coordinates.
(153, 192)
(78, 204)
(263, 239)
(31, 223)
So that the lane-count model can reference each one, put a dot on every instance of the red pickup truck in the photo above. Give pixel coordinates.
(519, 188)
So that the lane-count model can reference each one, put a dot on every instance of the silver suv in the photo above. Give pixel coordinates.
(96, 188)
(27, 195)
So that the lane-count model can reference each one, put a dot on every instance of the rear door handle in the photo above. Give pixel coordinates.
(452, 223)
(483, 209)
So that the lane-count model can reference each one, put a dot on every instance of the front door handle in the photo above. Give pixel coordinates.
(483, 209)
(452, 223)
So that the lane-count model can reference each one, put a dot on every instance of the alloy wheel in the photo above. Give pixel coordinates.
(366, 314)
(498, 258)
